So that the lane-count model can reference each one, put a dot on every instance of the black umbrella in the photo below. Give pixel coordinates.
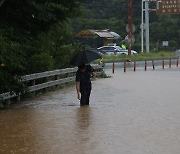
(85, 57)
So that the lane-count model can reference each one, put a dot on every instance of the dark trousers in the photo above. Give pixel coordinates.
(85, 94)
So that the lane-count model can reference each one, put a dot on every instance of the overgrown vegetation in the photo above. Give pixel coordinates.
(103, 75)
(35, 36)
(140, 56)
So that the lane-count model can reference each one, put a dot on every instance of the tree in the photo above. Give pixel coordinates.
(113, 14)
(22, 28)
(1, 2)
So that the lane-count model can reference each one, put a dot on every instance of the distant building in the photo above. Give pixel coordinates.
(97, 38)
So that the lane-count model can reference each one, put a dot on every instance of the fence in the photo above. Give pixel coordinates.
(44, 80)
(144, 64)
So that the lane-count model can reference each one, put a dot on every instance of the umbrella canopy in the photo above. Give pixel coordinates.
(85, 57)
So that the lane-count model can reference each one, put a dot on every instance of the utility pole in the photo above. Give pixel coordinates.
(129, 26)
(147, 25)
(162, 7)
(142, 27)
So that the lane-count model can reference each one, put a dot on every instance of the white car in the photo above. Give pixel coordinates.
(114, 50)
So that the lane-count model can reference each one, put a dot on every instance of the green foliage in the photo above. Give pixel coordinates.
(103, 75)
(35, 36)
(113, 14)
(41, 62)
(59, 44)
(31, 17)
(12, 66)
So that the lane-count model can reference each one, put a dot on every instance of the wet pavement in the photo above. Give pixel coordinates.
(129, 113)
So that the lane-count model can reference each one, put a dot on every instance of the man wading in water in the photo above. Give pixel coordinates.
(83, 83)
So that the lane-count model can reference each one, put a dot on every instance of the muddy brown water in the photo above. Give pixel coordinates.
(129, 113)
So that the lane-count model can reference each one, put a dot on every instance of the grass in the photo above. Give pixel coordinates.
(103, 75)
(140, 56)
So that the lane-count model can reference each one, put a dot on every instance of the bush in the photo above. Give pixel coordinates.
(41, 62)
(103, 75)
(12, 67)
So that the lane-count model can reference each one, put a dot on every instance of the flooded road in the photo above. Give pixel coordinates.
(129, 113)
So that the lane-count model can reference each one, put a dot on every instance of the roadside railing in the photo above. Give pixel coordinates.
(159, 64)
(45, 80)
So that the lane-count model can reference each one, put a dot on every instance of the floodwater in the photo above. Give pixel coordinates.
(129, 113)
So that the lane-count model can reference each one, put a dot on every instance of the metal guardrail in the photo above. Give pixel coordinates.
(48, 73)
(58, 77)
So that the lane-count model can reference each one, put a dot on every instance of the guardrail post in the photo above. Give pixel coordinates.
(163, 63)
(45, 80)
(18, 98)
(145, 65)
(153, 64)
(67, 76)
(56, 78)
(124, 66)
(134, 66)
(113, 68)
(169, 62)
(33, 84)
(8, 101)
(177, 62)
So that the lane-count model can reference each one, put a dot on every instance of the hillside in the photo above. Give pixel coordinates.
(112, 14)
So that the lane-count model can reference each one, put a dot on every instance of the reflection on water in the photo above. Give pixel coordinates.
(129, 113)
(83, 117)
(83, 129)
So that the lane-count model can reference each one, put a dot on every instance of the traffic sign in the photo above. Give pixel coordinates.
(133, 28)
(143, 26)
(168, 7)
(131, 40)
(165, 43)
